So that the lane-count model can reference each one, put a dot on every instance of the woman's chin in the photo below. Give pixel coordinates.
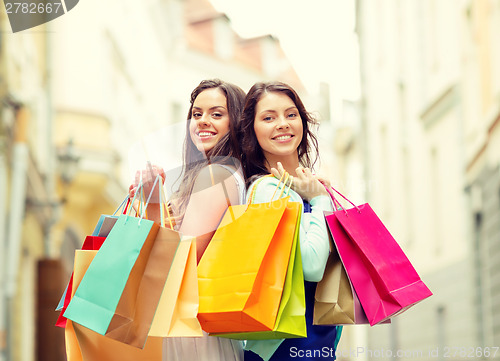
(204, 148)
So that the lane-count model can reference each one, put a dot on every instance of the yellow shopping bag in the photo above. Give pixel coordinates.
(176, 312)
(241, 274)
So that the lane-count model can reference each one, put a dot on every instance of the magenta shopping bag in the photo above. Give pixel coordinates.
(381, 274)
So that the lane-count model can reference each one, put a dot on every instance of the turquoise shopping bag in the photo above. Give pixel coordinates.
(121, 259)
(102, 229)
(96, 298)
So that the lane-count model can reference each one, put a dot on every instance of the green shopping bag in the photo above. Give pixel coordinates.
(102, 229)
(122, 258)
(290, 320)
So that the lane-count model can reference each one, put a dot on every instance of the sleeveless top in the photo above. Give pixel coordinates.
(240, 182)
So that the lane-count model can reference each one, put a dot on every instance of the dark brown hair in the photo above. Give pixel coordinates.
(253, 160)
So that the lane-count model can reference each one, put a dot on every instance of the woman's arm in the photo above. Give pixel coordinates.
(313, 234)
(314, 241)
(214, 189)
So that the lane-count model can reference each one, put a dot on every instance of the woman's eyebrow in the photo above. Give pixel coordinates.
(211, 108)
(268, 111)
(274, 111)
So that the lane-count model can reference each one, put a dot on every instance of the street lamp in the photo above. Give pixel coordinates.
(68, 165)
(68, 160)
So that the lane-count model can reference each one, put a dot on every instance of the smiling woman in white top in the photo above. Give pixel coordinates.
(212, 180)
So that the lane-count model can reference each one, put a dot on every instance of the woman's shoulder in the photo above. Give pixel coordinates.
(215, 173)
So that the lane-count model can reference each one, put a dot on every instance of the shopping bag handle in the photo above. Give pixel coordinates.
(143, 213)
(161, 196)
(288, 176)
(139, 186)
(284, 185)
(336, 202)
(163, 203)
(125, 202)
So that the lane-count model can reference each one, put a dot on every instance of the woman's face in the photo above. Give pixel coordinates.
(277, 125)
(209, 119)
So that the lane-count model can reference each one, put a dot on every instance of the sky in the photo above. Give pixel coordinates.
(317, 36)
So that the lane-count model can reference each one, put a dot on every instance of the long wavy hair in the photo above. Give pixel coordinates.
(253, 159)
(226, 151)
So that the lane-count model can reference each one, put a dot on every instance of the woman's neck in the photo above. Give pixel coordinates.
(290, 163)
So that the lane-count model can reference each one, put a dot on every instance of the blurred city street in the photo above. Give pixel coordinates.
(407, 94)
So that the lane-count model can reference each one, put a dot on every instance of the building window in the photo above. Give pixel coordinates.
(224, 39)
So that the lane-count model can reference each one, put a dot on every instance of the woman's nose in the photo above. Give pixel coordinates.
(282, 123)
(203, 120)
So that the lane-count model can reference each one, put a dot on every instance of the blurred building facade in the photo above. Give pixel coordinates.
(85, 91)
(430, 115)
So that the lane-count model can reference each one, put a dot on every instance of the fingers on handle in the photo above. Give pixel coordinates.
(300, 173)
(280, 168)
(131, 191)
(275, 173)
(308, 172)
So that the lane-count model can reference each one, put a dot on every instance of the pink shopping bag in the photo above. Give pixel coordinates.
(381, 274)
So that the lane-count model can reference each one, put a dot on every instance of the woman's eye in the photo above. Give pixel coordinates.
(292, 115)
(267, 119)
(196, 115)
(217, 115)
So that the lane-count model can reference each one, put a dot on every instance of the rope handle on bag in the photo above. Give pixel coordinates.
(143, 213)
(127, 201)
(163, 203)
(336, 204)
(335, 201)
(140, 185)
(162, 215)
(161, 192)
(251, 198)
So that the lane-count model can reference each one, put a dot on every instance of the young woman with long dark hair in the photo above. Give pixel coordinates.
(276, 137)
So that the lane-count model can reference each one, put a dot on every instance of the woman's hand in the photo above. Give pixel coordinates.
(306, 184)
(173, 222)
(148, 179)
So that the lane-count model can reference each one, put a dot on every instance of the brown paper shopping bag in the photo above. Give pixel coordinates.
(336, 302)
(141, 295)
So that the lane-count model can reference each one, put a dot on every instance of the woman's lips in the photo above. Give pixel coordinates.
(283, 138)
(205, 135)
